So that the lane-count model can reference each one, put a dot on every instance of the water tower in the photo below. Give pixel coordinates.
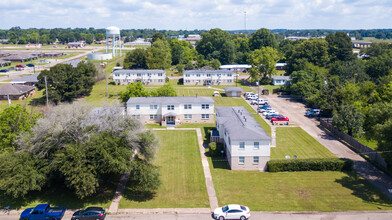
(114, 34)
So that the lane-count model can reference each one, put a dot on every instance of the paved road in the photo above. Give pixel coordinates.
(30, 70)
(296, 112)
(254, 215)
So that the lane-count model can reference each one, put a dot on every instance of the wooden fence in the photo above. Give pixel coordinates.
(362, 149)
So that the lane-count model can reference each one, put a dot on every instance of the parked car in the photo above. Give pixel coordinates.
(264, 107)
(4, 70)
(248, 93)
(279, 118)
(43, 211)
(30, 65)
(19, 68)
(20, 65)
(271, 116)
(270, 112)
(265, 110)
(90, 213)
(231, 211)
(313, 112)
(252, 97)
(259, 101)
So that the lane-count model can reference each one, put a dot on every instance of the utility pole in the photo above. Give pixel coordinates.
(46, 88)
(106, 89)
(245, 21)
(258, 93)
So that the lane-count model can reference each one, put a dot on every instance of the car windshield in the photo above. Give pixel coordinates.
(224, 209)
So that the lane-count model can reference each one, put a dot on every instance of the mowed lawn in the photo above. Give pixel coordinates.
(183, 182)
(292, 141)
(296, 191)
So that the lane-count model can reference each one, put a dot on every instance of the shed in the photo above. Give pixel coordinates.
(280, 80)
(233, 91)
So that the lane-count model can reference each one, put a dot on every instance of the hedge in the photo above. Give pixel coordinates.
(321, 164)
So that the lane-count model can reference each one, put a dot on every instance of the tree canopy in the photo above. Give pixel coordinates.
(65, 83)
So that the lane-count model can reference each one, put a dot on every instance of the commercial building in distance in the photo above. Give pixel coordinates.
(147, 77)
(208, 77)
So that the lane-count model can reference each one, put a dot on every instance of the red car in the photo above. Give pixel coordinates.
(20, 65)
(279, 118)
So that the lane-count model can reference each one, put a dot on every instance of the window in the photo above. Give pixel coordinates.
(205, 106)
(153, 106)
(170, 107)
(256, 146)
(187, 106)
(242, 145)
(229, 74)
(197, 75)
(208, 75)
(187, 75)
(117, 74)
(219, 75)
(148, 74)
(153, 117)
(256, 160)
(205, 116)
(137, 106)
(160, 80)
(187, 81)
(160, 74)
(139, 74)
(241, 160)
(229, 80)
(187, 116)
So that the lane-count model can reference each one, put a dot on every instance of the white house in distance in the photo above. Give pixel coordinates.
(247, 145)
(280, 80)
(171, 111)
(208, 77)
(236, 67)
(147, 77)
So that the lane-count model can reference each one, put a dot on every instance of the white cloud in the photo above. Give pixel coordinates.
(202, 14)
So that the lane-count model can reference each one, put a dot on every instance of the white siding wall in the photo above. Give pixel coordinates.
(162, 109)
(264, 149)
(131, 77)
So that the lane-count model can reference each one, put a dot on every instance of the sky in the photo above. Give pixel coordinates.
(197, 14)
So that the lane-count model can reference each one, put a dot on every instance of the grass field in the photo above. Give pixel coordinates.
(295, 191)
(295, 141)
(183, 183)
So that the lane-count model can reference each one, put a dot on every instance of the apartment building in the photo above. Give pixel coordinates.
(208, 77)
(147, 77)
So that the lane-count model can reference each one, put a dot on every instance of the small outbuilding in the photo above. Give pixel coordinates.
(233, 91)
(28, 80)
(280, 80)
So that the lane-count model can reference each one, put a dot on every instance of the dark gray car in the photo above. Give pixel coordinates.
(90, 213)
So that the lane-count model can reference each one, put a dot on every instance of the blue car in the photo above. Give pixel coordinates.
(4, 70)
(43, 212)
(30, 65)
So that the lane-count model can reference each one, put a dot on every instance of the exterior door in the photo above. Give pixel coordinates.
(170, 120)
(233, 94)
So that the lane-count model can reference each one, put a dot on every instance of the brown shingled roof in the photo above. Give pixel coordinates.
(13, 89)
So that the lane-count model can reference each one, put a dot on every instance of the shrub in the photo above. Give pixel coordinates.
(321, 164)
(215, 149)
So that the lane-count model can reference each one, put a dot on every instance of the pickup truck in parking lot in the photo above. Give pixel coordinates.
(43, 212)
(259, 101)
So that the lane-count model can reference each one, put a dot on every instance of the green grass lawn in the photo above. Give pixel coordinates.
(295, 191)
(59, 195)
(295, 141)
(150, 126)
(183, 183)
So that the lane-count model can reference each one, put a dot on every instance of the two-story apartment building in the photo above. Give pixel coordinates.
(147, 77)
(247, 145)
(171, 111)
(208, 77)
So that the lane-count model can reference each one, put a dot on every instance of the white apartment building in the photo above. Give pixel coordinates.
(247, 145)
(171, 111)
(147, 77)
(208, 77)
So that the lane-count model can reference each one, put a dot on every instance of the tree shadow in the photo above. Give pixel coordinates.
(220, 163)
(38, 101)
(363, 189)
(138, 195)
(57, 194)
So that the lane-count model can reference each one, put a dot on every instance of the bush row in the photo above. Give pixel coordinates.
(322, 164)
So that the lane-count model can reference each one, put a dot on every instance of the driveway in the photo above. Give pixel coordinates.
(296, 112)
